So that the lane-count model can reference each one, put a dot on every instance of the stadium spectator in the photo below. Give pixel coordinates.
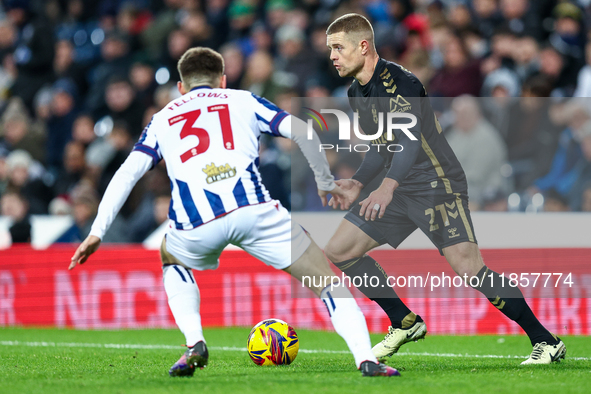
(84, 208)
(242, 15)
(560, 71)
(569, 159)
(217, 18)
(34, 50)
(153, 38)
(488, 17)
(72, 171)
(326, 72)
(293, 59)
(234, 63)
(123, 105)
(4, 172)
(157, 215)
(142, 221)
(479, 149)
(65, 66)
(568, 36)
(83, 129)
(502, 49)
(177, 43)
(42, 103)
(582, 170)
(532, 136)
(259, 76)
(196, 26)
(121, 141)
(59, 126)
(273, 166)
(521, 17)
(277, 13)
(501, 82)
(18, 132)
(24, 177)
(77, 24)
(526, 55)
(115, 61)
(502, 86)
(60, 206)
(7, 38)
(142, 80)
(476, 44)
(8, 72)
(132, 20)
(164, 94)
(459, 75)
(15, 206)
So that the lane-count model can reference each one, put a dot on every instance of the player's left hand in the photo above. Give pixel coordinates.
(382, 196)
(86, 248)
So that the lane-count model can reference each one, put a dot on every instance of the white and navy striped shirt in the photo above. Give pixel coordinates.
(209, 139)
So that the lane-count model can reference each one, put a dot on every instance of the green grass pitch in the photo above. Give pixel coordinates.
(79, 362)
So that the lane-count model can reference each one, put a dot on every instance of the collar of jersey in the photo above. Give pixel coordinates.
(201, 87)
(366, 89)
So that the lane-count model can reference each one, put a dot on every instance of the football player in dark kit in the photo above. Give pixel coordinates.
(424, 187)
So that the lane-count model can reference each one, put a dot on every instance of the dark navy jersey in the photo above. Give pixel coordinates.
(424, 164)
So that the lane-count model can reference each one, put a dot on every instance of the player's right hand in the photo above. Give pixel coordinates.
(86, 248)
(349, 191)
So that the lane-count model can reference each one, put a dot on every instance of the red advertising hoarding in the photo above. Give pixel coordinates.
(121, 287)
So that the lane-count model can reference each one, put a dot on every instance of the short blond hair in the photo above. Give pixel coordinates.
(354, 24)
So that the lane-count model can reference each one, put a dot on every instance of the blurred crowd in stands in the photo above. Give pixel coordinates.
(80, 79)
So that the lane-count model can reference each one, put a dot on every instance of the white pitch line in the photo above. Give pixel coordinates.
(243, 349)
(477, 355)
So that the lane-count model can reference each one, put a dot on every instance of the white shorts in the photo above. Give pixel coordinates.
(264, 231)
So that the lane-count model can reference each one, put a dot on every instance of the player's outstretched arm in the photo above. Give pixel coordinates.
(296, 129)
(134, 167)
(86, 248)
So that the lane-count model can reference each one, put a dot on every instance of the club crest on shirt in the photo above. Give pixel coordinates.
(399, 104)
(218, 173)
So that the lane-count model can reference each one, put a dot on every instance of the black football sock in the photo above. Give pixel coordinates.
(510, 301)
(361, 271)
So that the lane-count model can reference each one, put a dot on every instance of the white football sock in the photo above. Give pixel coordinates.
(183, 299)
(349, 322)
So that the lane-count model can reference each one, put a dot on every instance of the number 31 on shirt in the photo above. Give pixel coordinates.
(189, 129)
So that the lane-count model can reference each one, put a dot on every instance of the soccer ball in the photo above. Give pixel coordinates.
(272, 342)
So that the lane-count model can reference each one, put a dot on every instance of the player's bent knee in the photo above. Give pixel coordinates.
(464, 258)
(329, 251)
(339, 250)
(335, 251)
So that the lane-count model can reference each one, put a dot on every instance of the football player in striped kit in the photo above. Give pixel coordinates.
(209, 140)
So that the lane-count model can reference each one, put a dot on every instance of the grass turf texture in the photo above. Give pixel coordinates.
(28, 369)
